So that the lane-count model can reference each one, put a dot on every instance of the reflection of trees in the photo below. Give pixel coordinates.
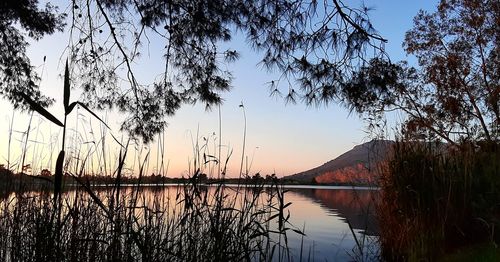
(355, 206)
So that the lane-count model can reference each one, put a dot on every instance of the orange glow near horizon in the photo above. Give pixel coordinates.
(266, 152)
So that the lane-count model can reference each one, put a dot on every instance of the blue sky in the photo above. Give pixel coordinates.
(281, 139)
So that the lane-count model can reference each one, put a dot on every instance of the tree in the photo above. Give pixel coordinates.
(17, 75)
(455, 94)
(313, 46)
(45, 172)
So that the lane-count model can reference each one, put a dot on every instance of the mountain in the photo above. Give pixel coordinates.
(356, 166)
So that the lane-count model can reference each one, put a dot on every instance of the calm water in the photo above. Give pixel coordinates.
(324, 213)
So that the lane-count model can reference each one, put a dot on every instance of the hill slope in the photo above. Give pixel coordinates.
(355, 166)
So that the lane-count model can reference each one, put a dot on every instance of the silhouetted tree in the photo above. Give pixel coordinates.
(257, 177)
(17, 75)
(314, 46)
(271, 178)
(45, 172)
(455, 92)
(315, 43)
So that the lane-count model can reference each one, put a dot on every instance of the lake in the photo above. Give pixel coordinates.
(338, 222)
(326, 213)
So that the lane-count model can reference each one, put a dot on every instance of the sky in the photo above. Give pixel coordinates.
(280, 138)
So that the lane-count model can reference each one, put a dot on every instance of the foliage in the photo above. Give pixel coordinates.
(436, 199)
(455, 93)
(477, 253)
(312, 46)
(17, 75)
(6, 176)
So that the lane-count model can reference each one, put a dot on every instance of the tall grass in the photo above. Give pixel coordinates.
(197, 224)
(437, 198)
(191, 222)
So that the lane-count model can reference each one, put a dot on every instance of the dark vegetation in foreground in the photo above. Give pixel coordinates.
(224, 224)
(438, 200)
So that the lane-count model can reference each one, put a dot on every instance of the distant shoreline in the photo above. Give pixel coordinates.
(12, 182)
(293, 186)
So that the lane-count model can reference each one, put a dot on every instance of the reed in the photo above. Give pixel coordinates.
(437, 199)
(189, 222)
(197, 223)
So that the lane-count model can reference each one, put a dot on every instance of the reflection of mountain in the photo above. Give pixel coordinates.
(355, 166)
(355, 206)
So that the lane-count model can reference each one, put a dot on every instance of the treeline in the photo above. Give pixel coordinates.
(10, 179)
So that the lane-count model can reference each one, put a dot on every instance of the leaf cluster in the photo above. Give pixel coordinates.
(17, 75)
(311, 46)
(455, 92)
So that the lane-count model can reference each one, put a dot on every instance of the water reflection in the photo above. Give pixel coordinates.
(325, 213)
(355, 206)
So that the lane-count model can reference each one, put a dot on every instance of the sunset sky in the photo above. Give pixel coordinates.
(281, 139)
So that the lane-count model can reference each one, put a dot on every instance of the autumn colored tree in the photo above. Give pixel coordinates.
(455, 92)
